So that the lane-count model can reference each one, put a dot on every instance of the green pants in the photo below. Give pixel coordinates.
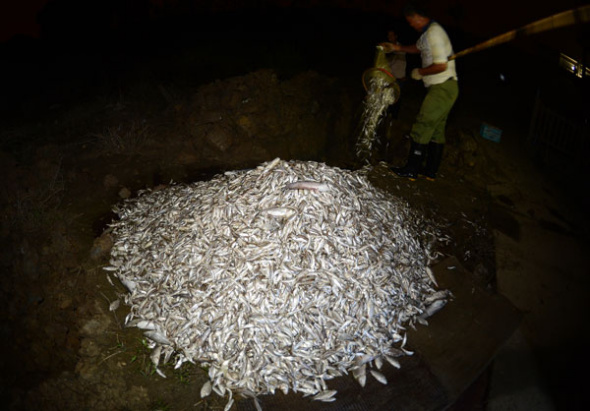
(432, 118)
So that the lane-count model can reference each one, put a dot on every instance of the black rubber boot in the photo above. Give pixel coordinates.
(415, 157)
(433, 159)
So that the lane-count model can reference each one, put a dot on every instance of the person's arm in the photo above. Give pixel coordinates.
(389, 47)
(432, 69)
(435, 68)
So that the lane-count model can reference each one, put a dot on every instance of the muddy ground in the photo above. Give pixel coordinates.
(67, 163)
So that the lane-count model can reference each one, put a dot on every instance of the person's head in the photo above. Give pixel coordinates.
(416, 16)
(391, 36)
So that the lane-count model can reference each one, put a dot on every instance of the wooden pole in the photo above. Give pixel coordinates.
(566, 18)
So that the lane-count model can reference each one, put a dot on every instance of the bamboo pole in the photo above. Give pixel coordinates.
(563, 19)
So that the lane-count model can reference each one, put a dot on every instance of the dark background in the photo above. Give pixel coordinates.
(64, 50)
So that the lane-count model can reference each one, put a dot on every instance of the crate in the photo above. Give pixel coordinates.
(490, 132)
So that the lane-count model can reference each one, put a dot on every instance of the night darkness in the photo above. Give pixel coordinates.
(101, 99)
(92, 44)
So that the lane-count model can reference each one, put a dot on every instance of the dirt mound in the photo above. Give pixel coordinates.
(248, 119)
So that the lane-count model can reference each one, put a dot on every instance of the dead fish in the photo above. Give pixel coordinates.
(206, 389)
(335, 276)
(160, 373)
(433, 309)
(143, 325)
(362, 379)
(431, 275)
(229, 405)
(271, 164)
(308, 185)
(131, 285)
(155, 355)
(360, 374)
(326, 396)
(379, 377)
(279, 211)
(157, 337)
(393, 361)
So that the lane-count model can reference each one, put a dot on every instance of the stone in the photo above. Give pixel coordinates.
(124, 193)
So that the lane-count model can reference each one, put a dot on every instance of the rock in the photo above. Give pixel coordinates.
(64, 302)
(101, 247)
(96, 326)
(220, 137)
(124, 193)
(86, 369)
(89, 348)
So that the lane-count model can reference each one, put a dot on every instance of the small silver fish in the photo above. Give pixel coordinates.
(206, 389)
(433, 309)
(308, 185)
(326, 396)
(379, 377)
(279, 211)
(157, 337)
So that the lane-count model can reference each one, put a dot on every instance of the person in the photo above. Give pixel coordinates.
(440, 78)
(397, 59)
(397, 64)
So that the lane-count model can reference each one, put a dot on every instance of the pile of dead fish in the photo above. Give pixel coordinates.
(275, 278)
(379, 98)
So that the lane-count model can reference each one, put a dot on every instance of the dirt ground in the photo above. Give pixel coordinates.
(513, 225)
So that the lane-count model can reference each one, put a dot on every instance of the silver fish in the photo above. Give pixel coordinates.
(226, 273)
(308, 185)
(379, 377)
(206, 389)
(325, 396)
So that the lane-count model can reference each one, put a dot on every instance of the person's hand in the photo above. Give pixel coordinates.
(388, 47)
(416, 74)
